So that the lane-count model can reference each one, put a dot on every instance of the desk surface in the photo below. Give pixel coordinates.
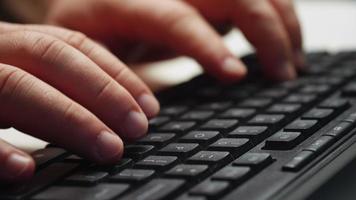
(327, 25)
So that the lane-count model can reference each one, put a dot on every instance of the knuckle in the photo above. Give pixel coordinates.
(258, 15)
(49, 49)
(10, 79)
(77, 39)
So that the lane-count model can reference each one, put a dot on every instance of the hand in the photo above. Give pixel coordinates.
(183, 26)
(60, 86)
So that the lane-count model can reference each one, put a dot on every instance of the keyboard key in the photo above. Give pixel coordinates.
(284, 108)
(181, 150)
(201, 137)
(187, 197)
(238, 113)
(47, 155)
(283, 140)
(318, 114)
(86, 177)
(254, 160)
(299, 161)
(177, 126)
(300, 98)
(232, 173)
(114, 168)
(339, 130)
(138, 151)
(219, 124)
(349, 90)
(132, 175)
(335, 104)
(210, 189)
(315, 89)
(320, 144)
(158, 121)
(157, 139)
(98, 192)
(217, 106)
(41, 179)
(249, 131)
(256, 102)
(233, 145)
(156, 189)
(188, 171)
(273, 93)
(210, 157)
(197, 115)
(304, 126)
(173, 110)
(265, 119)
(351, 118)
(157, 162)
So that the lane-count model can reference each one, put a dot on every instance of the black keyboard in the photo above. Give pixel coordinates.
(211, 141)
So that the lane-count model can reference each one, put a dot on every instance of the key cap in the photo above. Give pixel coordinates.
(187, 197)
(156, 189)
(315, 89)
(349, 90)
(284, 108)
(254, 160)
(318, 114)
(351, 118)
(181, 150)
(201, 137)
(273, 93)
(217, 106)
(320, 144)
(232, 173)
(210, 157)
(132, 175)
(210, 189)
(265, 119)
(177, 126)
(340, 104)
(157, 139)
(256, 102)
(188, 171)
(173, 110)
(283, 141)
(238, 113)
(303, 126)
(47, 155)
(219, 124)
(339, 130)
(233, 145)
(115, 168)
(197, 115)
(41, 179)
(300, 98)
(138, 151)
(98, 192)
(86, 177)
(158, 121)
(249, 131)
(157, 162)
(298, 161)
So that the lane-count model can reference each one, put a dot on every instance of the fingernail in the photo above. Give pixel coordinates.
(149, 104)
(17, 164)
(285, 72)
(136, 125)
(232, 66)
(299, 59)
(108, 145)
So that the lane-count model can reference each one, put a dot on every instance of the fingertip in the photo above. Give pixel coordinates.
(135, 125)
(19, 167)
(299, 60)
(149, 104)
(284, 72)
(109, 147)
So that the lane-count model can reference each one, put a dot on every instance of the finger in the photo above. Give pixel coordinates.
(33, 106)
(263, 28)
(15, 165)
(179, 26)
(104, 59)
(287, 13)
(68, 70)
